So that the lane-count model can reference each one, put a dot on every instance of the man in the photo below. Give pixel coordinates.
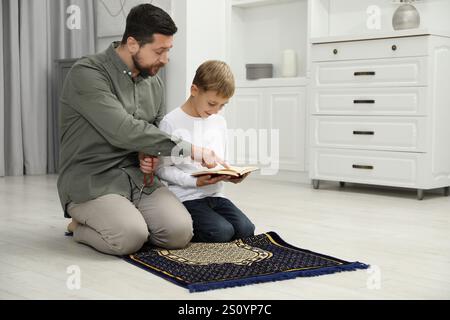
(111, 105)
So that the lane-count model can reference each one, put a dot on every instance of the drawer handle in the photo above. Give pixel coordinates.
(367, 133)
(394, 47)
(335, 51)
(364, 73)
(363, 101)
(359, 166)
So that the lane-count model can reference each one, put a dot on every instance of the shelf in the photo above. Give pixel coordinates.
(257, 3)
(380, 35)
(272, 82)
(251, 27)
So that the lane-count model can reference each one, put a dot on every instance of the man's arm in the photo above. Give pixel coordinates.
(163, 107)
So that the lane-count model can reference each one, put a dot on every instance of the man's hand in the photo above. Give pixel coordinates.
(236, 180)
(207, 157)
(207, 180)
(148, 164)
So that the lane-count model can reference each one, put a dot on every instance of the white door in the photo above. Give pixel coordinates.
(285, 112)
(243, 119)
(272, 122)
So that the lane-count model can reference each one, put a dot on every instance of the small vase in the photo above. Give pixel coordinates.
(406, 17)
(289, 64)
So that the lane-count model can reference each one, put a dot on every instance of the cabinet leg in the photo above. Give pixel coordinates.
(420, 194)
(342, 184)
(446, 191)
(315, 184)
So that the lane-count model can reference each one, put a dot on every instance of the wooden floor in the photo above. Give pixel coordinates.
(407, 241)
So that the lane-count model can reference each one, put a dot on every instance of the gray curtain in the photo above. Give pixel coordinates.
(34, 34)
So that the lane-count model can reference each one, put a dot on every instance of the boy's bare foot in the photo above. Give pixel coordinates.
(72, 226)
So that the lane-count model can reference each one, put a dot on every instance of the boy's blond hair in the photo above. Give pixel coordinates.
(216, 76)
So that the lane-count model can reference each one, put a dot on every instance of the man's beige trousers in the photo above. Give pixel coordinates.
(114, 225)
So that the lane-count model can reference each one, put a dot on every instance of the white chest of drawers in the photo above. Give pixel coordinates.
(380, 112)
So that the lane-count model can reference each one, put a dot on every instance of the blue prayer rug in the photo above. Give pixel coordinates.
(261, 258)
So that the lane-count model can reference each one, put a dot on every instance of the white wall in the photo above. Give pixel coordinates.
(200, 37)
(176, 69)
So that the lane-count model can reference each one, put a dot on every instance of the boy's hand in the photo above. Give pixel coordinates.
(207, 180)
(148, 164)
(207, 157)
(236, 180)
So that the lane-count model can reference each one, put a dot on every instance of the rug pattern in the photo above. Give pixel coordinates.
(261, 258)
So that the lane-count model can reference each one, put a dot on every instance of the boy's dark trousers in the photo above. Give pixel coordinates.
(217, 219)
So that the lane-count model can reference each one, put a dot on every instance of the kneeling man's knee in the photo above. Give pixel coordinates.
(130, 239)
(176, 236)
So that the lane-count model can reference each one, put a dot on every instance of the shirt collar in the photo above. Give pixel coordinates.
(117, 61)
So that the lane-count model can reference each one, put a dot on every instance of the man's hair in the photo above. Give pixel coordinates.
(216, 76)
(145, 20)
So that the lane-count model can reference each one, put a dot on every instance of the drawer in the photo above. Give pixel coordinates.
(372, 73)
(371, 133)
(371, 49)
(372, 167)
(369, 101)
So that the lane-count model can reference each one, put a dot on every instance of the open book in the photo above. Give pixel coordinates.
(232, 171)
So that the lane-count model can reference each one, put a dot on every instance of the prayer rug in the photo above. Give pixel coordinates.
(261, 258)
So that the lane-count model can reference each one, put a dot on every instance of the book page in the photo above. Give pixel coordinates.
(232, 171)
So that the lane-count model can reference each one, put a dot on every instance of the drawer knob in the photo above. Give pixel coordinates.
(358, 166)
(367, 133)
(394, 47)
(363, 101)
(335, 51)
(364, 73)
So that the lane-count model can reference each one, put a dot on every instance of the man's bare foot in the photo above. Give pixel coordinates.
(72, 226)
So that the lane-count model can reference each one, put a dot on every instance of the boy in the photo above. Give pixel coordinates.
(215, 218)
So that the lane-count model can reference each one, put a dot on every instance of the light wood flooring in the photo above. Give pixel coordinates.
(406, 240)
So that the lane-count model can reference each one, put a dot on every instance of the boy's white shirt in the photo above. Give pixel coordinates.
(208, 133)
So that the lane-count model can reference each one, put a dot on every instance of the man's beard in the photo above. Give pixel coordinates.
(144, 72)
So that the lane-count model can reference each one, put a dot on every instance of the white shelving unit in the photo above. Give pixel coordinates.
(381, 35)
(256, 3)
(258, 32)
(272, 82)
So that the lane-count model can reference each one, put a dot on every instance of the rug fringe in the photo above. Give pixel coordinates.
(276, 277)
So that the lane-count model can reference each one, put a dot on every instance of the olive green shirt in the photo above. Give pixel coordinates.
(106, 118)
